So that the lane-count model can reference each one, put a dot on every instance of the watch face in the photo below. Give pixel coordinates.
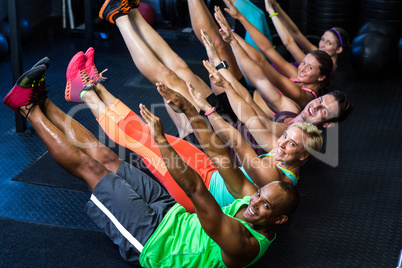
(222, 64)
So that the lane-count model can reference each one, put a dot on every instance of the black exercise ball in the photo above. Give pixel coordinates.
(400, 54)
(3, 46)
(373, 54)
(380, 27)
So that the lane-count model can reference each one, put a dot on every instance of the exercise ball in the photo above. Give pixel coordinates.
(372, 54)
(147, 12)
(5, 30)
(26, 29)
(388, 11)
(3, 46)
(381, 27)
(400, 54)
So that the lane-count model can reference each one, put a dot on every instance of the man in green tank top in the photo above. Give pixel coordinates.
(235, 236)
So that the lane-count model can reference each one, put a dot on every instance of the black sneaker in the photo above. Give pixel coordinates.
(45, 61)
(42, 83)
(113, 9)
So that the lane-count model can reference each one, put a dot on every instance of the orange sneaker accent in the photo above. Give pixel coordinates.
(113, 9)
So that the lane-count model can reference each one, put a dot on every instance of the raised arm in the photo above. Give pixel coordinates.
(261, 127)
(261, 41)
(282, 83)
(265, 85)
(288, 31)
(251, 162)
(227, 79)
(235, 181)
(215, 59)
(240, 100)
(236, 243)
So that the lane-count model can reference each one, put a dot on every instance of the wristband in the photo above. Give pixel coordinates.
(221, 65)
(210, 111)
(273, 14)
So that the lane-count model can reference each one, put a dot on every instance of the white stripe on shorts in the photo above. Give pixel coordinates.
(118, 225)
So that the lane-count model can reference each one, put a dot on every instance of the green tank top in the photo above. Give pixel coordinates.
(180, 241)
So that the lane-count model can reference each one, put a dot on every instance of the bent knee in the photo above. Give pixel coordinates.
(92, 169)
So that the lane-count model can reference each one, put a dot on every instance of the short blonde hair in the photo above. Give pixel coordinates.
(314, 139)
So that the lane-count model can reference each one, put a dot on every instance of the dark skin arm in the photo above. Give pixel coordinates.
(237, 245)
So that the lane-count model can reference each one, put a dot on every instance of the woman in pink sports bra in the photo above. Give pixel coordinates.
(310, 80)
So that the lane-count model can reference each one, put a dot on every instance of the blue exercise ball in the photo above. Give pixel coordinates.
(400, 54)
(25, 27)
(3, 46)
(5, 30)
(373, 54)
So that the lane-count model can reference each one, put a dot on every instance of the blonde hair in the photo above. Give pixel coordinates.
(314, 139)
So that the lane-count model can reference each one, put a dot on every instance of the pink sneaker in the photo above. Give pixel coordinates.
(77, 78)
(91, 69)
(26, 90)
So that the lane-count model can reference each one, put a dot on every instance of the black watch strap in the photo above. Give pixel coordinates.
(221, 65)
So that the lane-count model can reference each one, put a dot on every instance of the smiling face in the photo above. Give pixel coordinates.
(266, 206)
(320, 110)
(290, 146)
(309, 70)
(329, 44)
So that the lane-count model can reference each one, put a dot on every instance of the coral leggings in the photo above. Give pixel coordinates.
(126, 128)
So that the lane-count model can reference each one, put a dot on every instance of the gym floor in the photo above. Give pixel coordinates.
(349, 215)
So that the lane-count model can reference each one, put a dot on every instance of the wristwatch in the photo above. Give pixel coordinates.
(221, 65)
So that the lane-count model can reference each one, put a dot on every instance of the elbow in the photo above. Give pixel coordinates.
(287, 42)
(290, 44)
(248, 98)
(260, 58)
(193, 187)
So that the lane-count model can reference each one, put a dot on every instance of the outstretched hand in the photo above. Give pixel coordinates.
(225, 30)
(212, 53)
(154, 123)
(174, 99)
(214, 75)
(198, 98)
(232, 9)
